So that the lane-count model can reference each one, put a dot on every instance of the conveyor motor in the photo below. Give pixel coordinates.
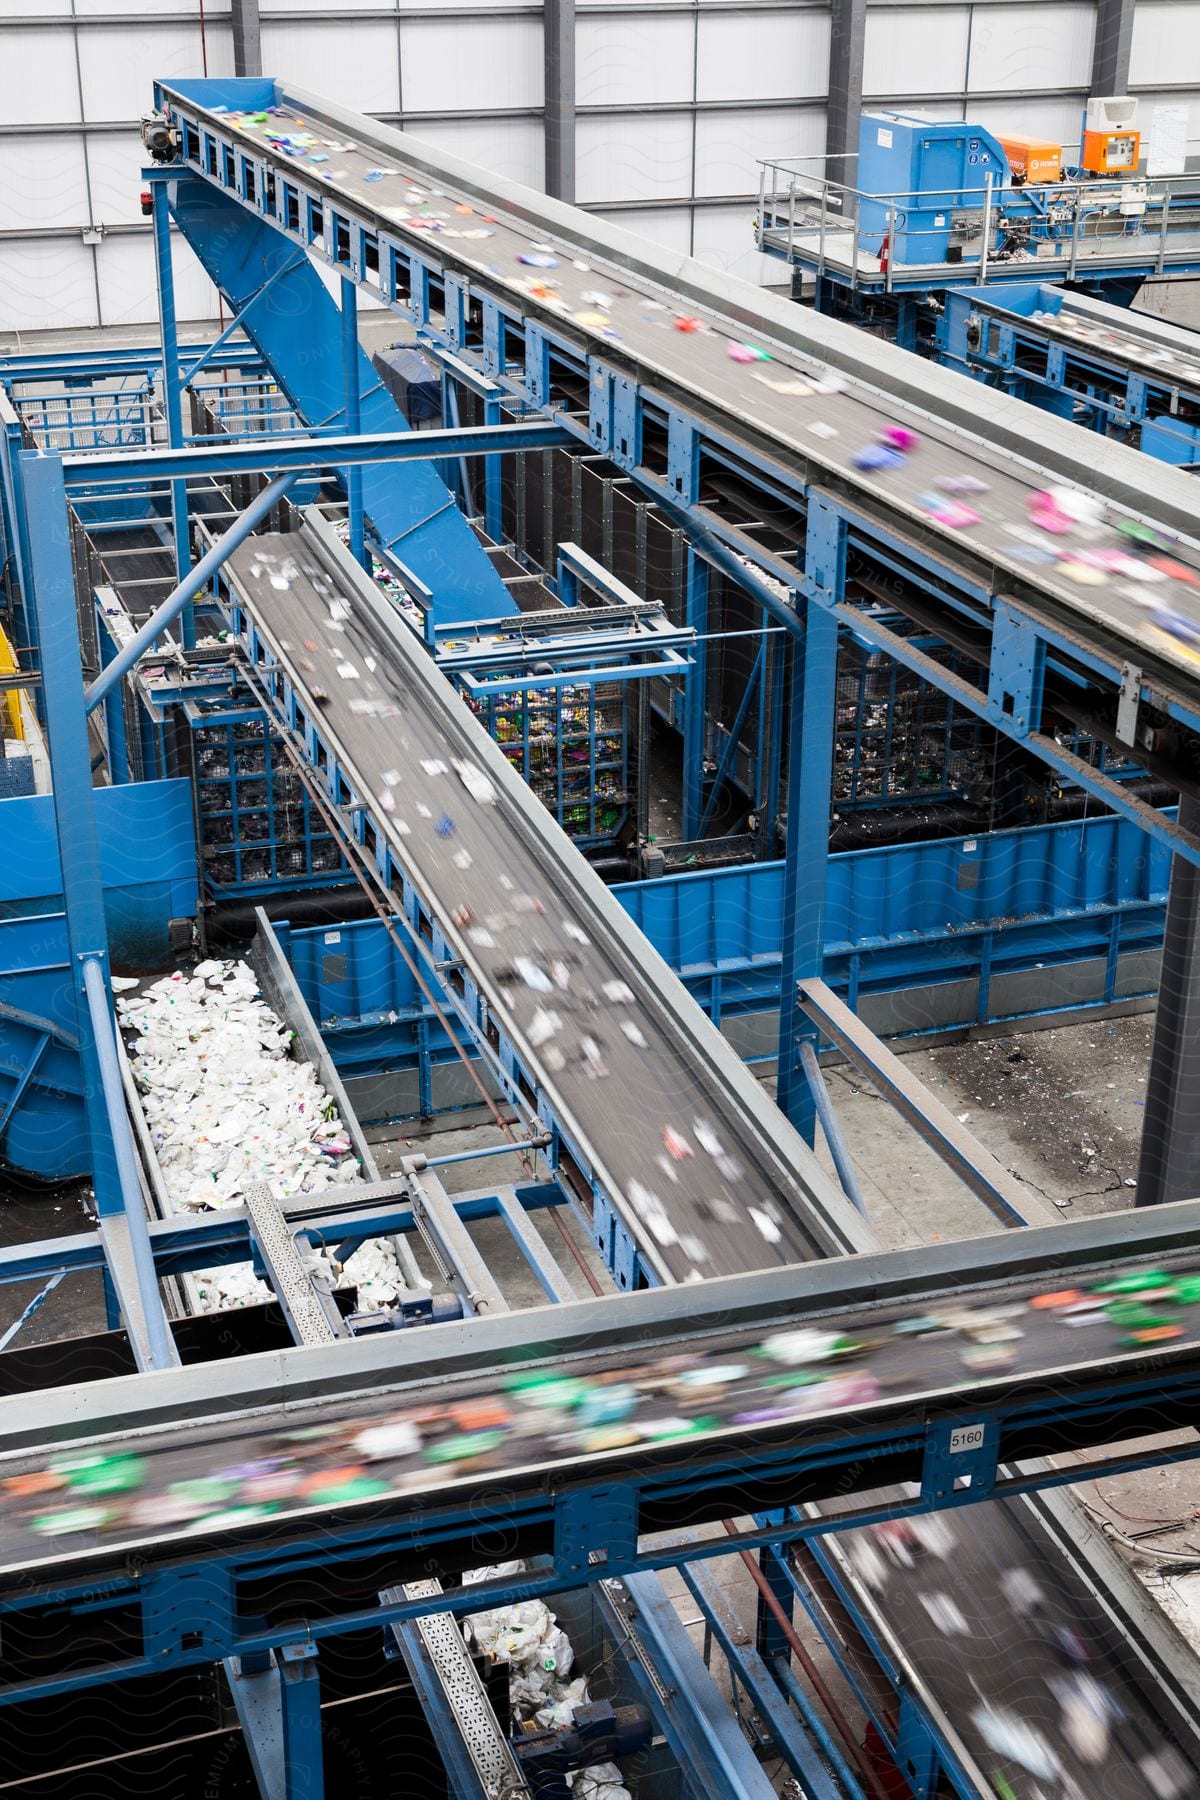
(598, 1732)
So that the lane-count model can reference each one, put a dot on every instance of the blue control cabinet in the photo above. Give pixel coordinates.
(925, 171)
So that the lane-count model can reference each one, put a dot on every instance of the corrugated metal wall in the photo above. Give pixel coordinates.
(676, 102)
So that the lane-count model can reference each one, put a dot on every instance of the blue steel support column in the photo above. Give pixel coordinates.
(769, 1637)
(695, 696)
(354, 474)
(810, 779)
(1170, 1156)
(300, 1694)
(53, 602)
(493, 504)
(172, 388)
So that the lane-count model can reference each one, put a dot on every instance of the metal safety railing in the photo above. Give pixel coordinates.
(833, 227)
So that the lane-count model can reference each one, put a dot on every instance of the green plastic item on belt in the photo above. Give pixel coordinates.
(236, 1515)
(1135, 1282)
(1129, 1316)
(548, 1390)
(359, 1487)
(467, 1443)
(71, 1519)
(102, 1474)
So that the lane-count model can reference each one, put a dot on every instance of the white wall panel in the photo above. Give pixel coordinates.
(1166, 44)
(915, 50)
(633, 158)
(39, 80)
(115, 162)
(669, 228)
(1190, 100)
(128, 292)
(46, 283)
(43, 181)
(723, 238)
(451, 6)
(354, 62)
(1029, 47)
(118, 68)
(28, 9)
(1055, 120)
(633, 61)
(459, 65)
(513, 148)
(729, 145)
(139, 9)
(763, 56)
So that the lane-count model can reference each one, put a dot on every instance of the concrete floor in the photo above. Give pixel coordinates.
(1061, 1109)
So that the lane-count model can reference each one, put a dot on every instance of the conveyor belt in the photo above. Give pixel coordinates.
(749, 1365)
(622, 1123)
(696, 368)
(1168, 356)
(753, 1204)
(700, 1388)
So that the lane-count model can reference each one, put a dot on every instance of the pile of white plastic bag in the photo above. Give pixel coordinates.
(226, 1106)
(530, 1640)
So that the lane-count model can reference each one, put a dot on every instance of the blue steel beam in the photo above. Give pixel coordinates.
(689, 1710)
(118, 1194)
(52, 581)
(297, 328)
(189, 585)
(827, 1114)
(201, 1241)
(84, 367)
(300, 1704)
(352, 414)
(266, 455)
(145, 1312)
(810, 785)
(172, 394)
(218, 351)
(983, 1174)
(820, 1768)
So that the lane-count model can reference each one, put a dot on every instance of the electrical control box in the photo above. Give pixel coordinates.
(1112, 143)
(1109, 152)
(1032, 159)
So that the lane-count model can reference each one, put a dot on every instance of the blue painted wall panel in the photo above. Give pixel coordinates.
(147, 853)
(148, 863)
(897, 916)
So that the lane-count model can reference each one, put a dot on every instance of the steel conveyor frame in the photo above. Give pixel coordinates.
(633, 396)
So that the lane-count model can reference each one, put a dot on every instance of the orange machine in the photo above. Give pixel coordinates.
(1111, 152)
(1032, 159)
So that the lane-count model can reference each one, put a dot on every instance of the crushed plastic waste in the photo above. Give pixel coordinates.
(540, 1657)
(227, 1106)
